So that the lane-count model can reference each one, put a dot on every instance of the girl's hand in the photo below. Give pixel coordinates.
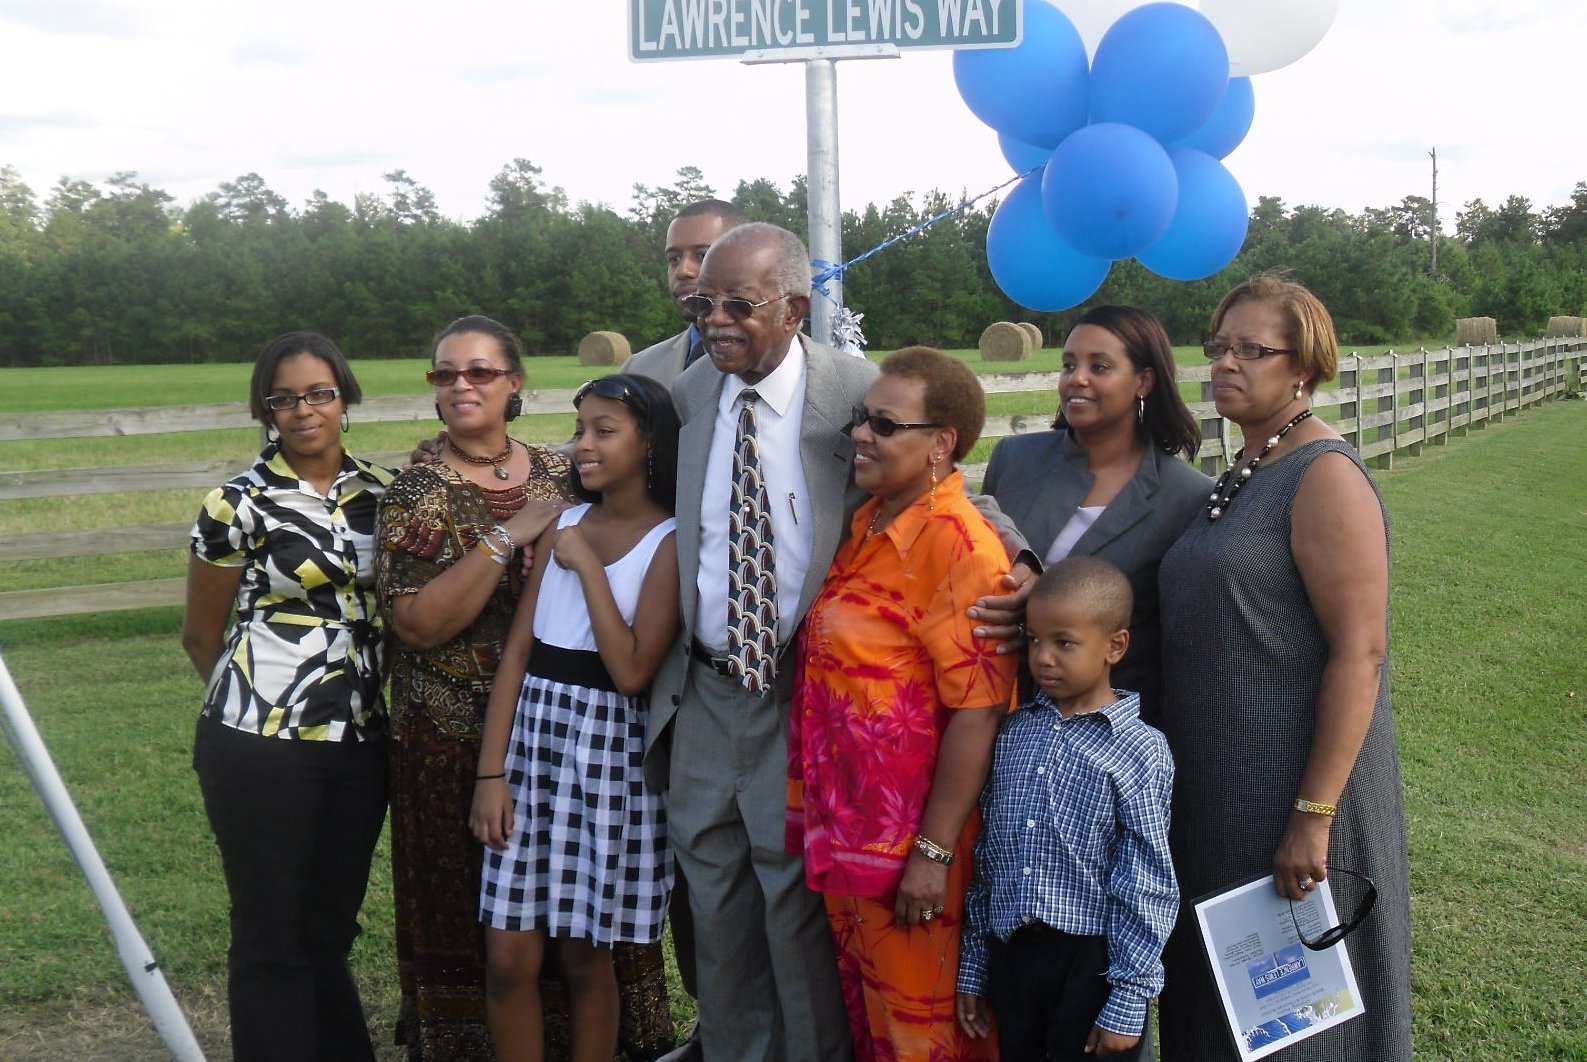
(1302, 856)
(922, 891)
(572, 551)
(490, 817)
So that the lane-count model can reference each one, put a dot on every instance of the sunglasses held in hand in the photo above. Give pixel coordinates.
(1334, 934)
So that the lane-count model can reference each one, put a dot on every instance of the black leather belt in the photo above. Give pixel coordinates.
(716, 663)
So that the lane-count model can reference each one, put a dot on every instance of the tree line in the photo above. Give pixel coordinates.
(119, 273)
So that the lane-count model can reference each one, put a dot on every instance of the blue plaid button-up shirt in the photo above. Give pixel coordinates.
(1076, 836)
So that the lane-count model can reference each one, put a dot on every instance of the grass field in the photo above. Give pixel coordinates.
(1490, 680)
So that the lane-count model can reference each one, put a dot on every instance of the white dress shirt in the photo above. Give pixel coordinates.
(778, 417)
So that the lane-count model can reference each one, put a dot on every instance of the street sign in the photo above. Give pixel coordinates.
(701, 29)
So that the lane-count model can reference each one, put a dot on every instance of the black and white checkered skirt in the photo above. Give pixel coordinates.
(588, 859)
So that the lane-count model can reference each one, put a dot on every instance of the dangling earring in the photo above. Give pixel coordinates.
(650, 469)
(1140, 409)
(1300, 388)
(514, 405)
(272, 433)
(347, 425)
(438, 413)
(931, 498)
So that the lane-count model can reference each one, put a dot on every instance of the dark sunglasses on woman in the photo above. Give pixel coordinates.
(477, 375)
(883, 426)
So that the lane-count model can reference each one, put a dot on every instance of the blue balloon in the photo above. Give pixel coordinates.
(1162, 68)
(1228, 125)
(1110, 190)
(1030, 262)
(1035, 92)
(1021, 156)
(1209, 227)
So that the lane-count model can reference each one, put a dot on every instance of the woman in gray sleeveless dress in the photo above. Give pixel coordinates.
(1275, 679)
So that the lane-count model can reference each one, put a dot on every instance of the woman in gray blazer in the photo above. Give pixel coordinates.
(1107, 480)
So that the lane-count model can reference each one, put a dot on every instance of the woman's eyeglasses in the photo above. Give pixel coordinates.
(1334, 934)
(883, 426)
(318, 397)
(699, 306)
(1247, 351)
(477, 375)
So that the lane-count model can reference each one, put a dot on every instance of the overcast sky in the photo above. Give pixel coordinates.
(334, 93)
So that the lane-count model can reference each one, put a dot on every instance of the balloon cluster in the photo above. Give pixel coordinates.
(1127, 109)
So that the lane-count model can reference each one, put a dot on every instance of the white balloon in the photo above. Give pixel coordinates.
(1093, 18)
(1263, 35)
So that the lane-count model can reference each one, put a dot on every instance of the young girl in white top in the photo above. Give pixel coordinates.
(575, 840)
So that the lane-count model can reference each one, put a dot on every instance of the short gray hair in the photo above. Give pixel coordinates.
(790, 272)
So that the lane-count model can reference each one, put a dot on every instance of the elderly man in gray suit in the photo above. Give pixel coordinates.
(767, 973)
(689, 236)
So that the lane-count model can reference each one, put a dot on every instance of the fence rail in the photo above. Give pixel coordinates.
(1386, 404)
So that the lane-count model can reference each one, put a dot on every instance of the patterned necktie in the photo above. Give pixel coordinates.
(751, 571)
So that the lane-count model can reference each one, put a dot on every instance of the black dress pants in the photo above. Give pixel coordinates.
(296, 823)
(1047, 988)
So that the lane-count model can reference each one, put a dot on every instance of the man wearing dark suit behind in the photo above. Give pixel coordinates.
(767, 976)
(689, 236)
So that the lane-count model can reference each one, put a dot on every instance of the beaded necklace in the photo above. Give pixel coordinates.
(493, 462)
(1223, 491)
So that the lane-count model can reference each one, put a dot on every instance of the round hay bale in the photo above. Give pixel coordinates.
(1033, 331)
(1563, 327)
(1005, 341)
(603, 348)
(1475, 331)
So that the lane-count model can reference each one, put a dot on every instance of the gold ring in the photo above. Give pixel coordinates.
(1306, 884)
(926, 916)
(937, 910)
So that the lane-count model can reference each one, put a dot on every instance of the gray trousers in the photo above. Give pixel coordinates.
(767, 973)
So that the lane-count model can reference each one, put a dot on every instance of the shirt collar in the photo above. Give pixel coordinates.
(275, 463)
(777, 388)
(1121, 711)
(904, 528)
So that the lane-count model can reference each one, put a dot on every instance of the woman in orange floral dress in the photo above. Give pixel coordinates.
(896, 710)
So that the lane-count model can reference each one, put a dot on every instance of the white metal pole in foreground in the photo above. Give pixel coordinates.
(826, 218)
(145, 973)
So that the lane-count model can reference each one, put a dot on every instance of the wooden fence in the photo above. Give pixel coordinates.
(1385, 404)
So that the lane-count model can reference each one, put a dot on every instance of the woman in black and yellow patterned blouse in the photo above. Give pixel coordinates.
(290, 751)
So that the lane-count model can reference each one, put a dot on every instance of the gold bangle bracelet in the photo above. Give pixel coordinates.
(1302, 804)
(932, 850)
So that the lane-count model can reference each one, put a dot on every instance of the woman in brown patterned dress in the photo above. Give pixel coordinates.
(448, 579)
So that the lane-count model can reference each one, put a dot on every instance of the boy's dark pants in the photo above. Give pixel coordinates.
(1047, 988)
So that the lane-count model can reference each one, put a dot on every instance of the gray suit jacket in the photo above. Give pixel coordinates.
(1040, 480)
(662, 362)
(834, 384)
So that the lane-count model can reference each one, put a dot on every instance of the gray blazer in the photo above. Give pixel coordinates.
(1040, 480)
(662, 362)
(834, 384)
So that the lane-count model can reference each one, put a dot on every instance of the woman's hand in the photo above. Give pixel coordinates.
(1302, 857)
(490, 817)
(527, 523)
(974, 1018)
(1002, 617)
(922, 891)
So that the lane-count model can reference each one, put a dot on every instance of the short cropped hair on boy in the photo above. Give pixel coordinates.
(1100, 584)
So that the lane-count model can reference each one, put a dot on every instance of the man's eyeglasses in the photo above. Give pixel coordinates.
(1247, 351)
(883, 426)
(478, 375)
(1334, 934)
(318, 397)
(701, 306)
(605, 387)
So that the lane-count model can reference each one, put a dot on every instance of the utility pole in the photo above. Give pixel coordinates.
(1433, 269)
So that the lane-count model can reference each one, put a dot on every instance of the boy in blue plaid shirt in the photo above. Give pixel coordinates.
(1074, 893)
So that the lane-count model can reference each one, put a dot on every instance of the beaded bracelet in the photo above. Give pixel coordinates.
(932, 850)
(1302, 804)
(505, 537)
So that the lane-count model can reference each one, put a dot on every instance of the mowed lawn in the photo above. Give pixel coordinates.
(1490, 679)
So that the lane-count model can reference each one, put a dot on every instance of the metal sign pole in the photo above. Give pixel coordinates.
(826, 217)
